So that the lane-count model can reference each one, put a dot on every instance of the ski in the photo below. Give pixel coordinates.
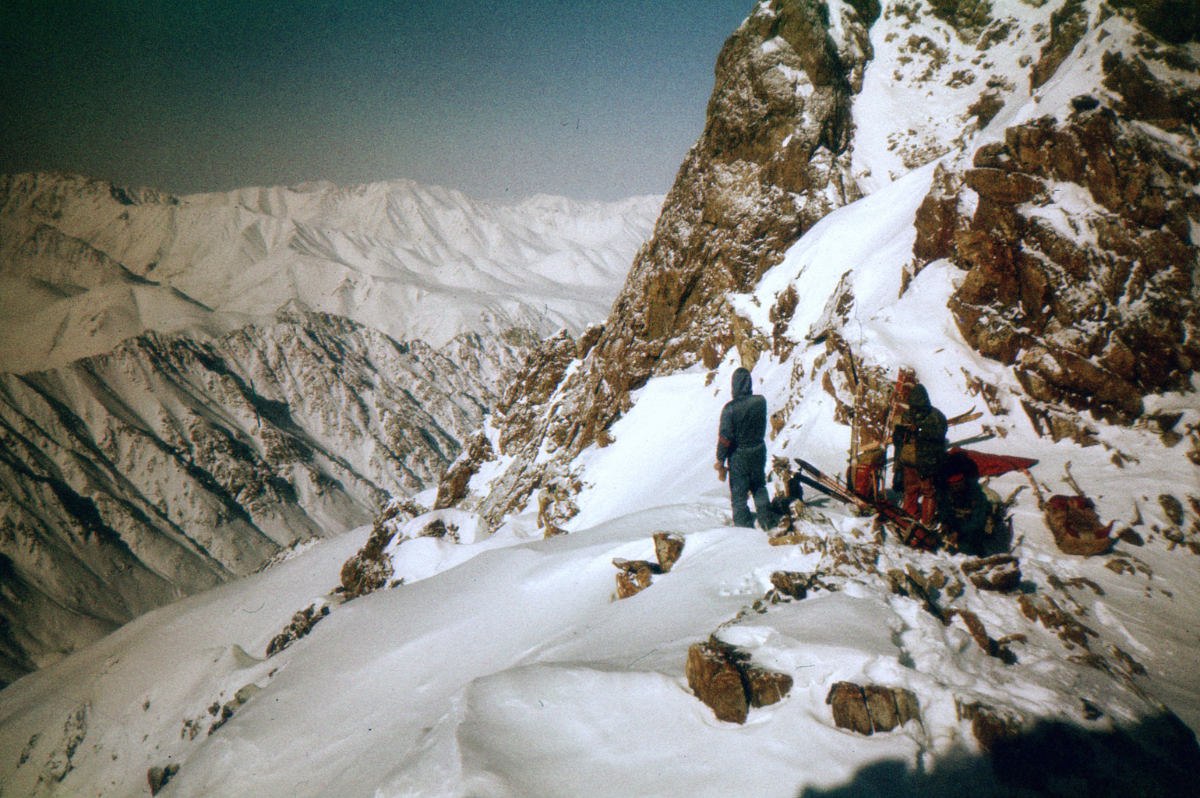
(963, 418)
(829, 485)
(909, 529)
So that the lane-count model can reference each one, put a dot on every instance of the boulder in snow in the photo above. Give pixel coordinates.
(873, 708)
(723, 679)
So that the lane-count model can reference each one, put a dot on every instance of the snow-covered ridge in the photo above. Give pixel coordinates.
(410, 261)
(501, 665)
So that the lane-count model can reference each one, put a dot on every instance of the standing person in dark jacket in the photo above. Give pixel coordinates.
(920, 440)
(740, 444)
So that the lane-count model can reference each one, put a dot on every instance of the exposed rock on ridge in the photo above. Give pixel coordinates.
(1078, 235)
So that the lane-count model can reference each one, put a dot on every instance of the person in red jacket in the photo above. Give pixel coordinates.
(740, 444)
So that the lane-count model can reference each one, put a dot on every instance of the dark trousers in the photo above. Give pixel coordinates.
(747, 477)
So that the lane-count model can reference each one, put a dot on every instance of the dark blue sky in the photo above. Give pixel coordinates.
(589, 99)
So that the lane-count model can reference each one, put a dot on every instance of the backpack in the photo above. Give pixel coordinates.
(1076, 526)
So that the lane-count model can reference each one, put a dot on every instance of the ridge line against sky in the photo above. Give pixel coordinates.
(591, 100)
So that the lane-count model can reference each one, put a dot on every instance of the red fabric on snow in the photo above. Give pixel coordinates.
(993, 465)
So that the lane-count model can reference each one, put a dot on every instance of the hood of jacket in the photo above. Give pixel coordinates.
(741, 383)
(918, 397)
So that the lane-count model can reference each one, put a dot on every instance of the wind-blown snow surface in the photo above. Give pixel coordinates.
(84, 265)
(503, 666)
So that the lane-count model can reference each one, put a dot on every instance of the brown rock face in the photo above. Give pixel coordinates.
(1079, 254)
(716, 681)
(771, 162)
(668, 549)
(1067, 26)
(990, 727)
(849, 708)
(633, 576)
(765, 687)
(636, 575)
(369, 569)
(791, 583)
(453, 485)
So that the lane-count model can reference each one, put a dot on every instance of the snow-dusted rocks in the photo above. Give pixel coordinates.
(634, 576)
(1077, 229)
(727, 683)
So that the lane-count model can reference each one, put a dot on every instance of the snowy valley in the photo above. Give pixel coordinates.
(1001, 197)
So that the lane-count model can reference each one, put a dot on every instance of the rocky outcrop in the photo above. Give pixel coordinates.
(452, 487)
(1067, 26)
(634, 576)
(722, 677)
(1077, 236)
(771, 162)
(159, 776)
(1001, 572)
(872, 708)
(302, 623)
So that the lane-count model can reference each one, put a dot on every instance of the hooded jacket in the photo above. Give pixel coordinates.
(743, 419)
(923, 427)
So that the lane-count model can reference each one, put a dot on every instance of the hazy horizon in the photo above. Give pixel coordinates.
(590, 100)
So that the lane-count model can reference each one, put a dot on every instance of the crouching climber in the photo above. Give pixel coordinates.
(972, 516)
(742, 452)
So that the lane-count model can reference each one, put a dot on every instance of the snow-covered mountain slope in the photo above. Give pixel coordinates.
(179, 406)
(1078, 259)
(501, 664)
(491, 660)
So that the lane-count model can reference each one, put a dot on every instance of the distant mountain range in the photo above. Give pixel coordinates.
(189, 383)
